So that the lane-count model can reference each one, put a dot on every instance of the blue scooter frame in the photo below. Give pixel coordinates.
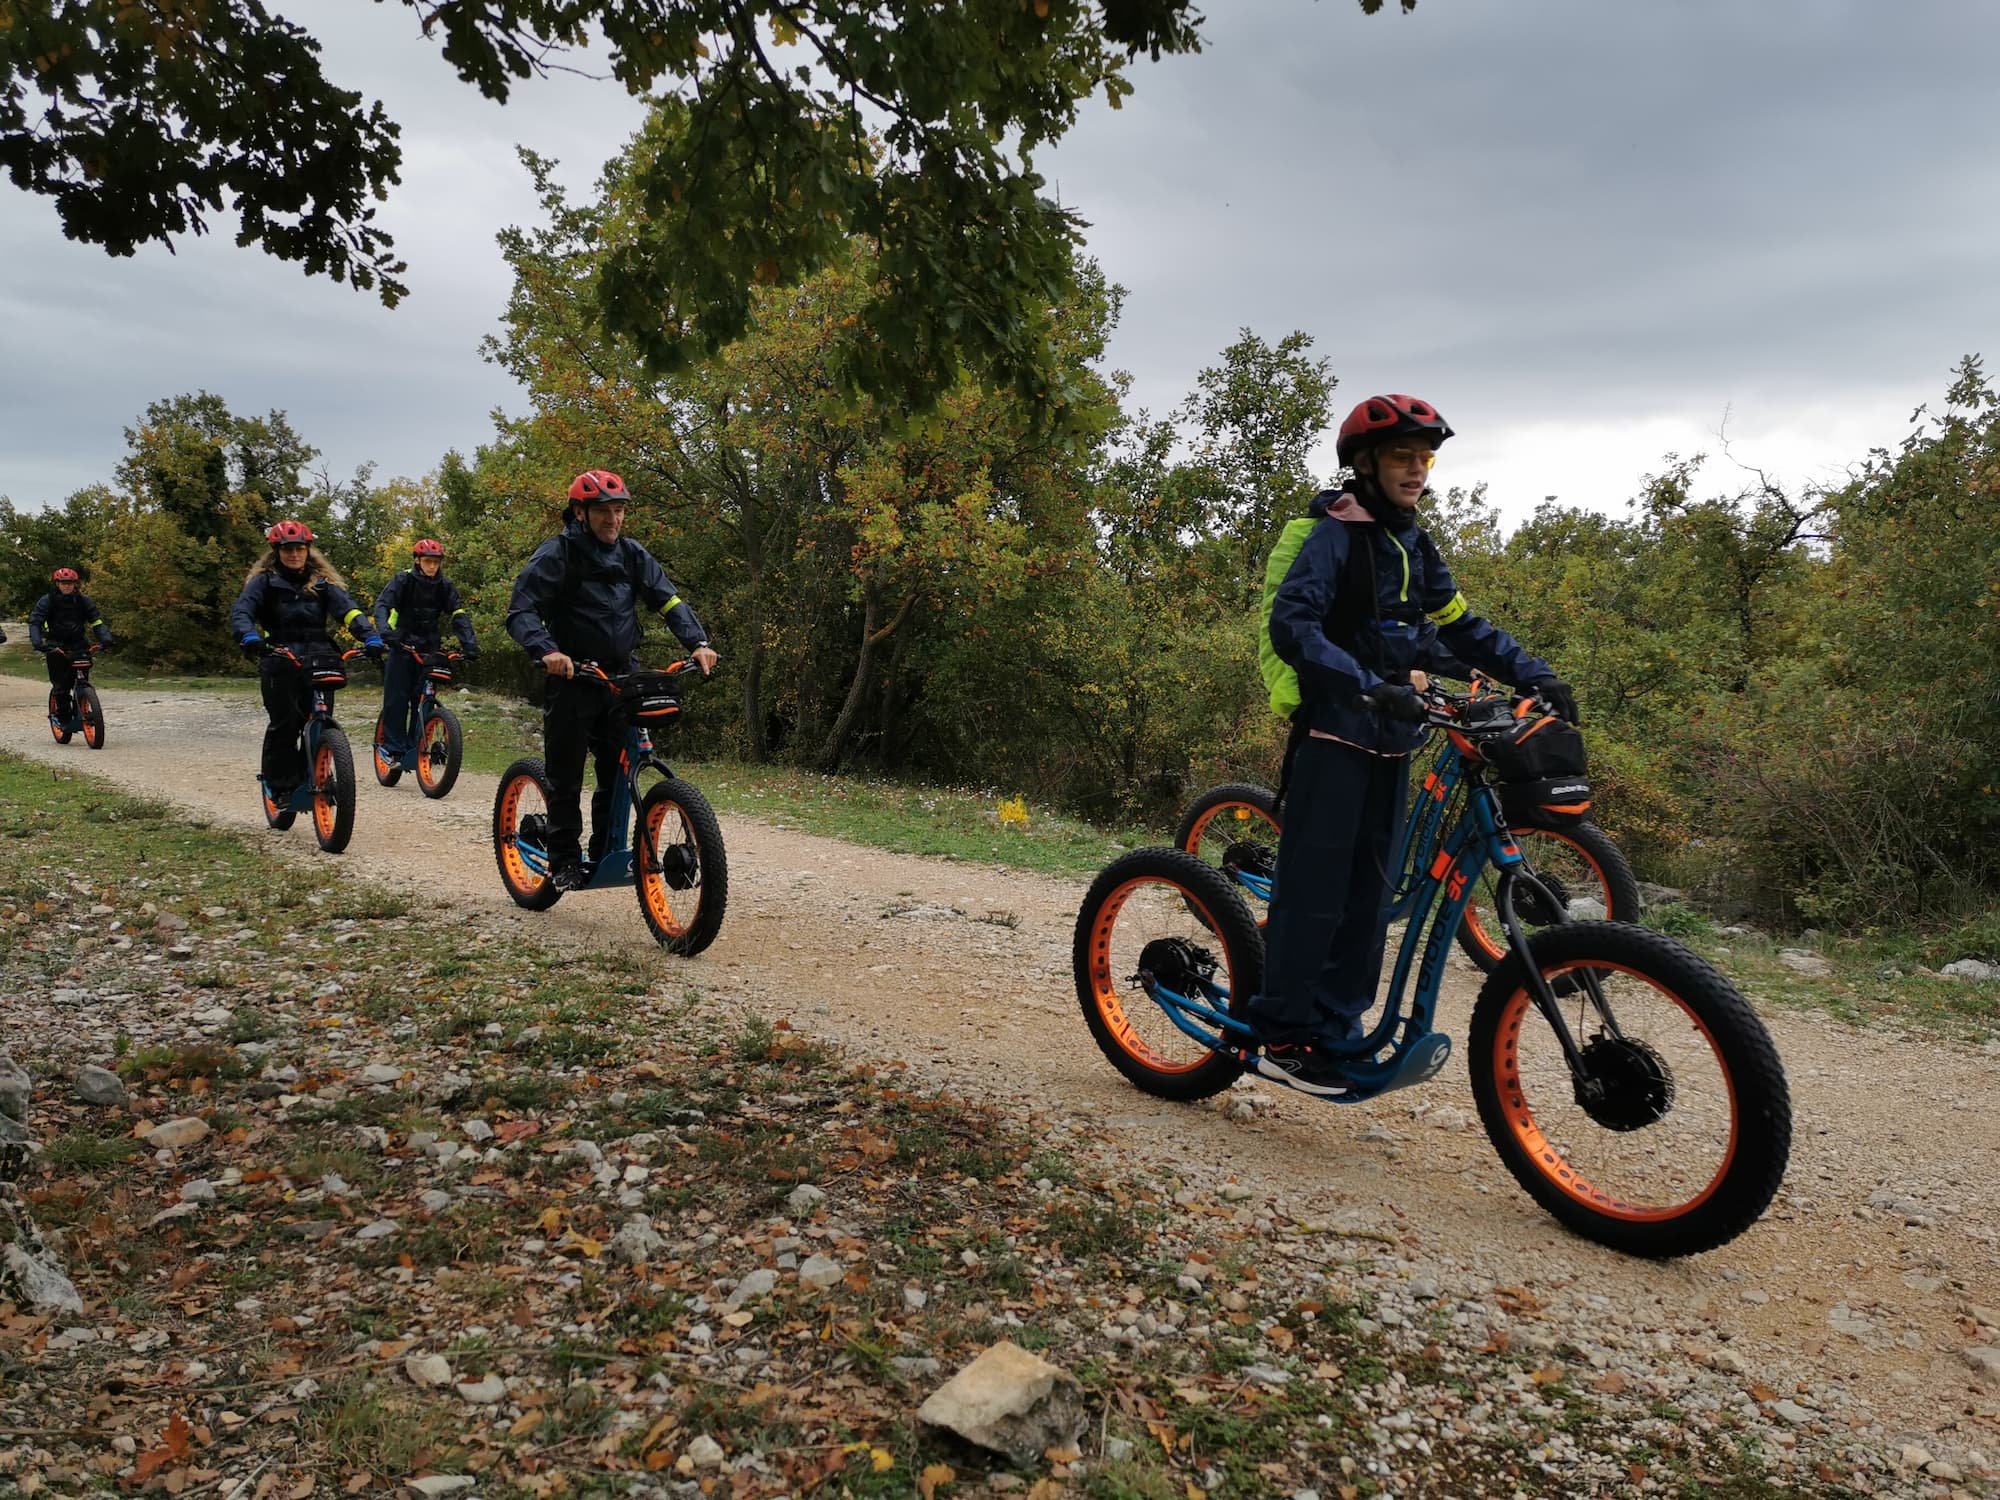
(1431, 897)
(676, 861)
(328, 790)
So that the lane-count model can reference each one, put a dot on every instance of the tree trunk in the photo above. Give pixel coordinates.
(835, 745)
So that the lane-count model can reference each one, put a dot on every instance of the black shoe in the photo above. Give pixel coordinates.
(569, 874)
(1303, 1066)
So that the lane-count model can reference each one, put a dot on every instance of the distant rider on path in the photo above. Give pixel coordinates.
(412, 610)
(64, 619)
(289, 602)
(577, 600)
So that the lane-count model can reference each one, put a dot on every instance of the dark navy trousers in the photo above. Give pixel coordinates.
(1328, 921)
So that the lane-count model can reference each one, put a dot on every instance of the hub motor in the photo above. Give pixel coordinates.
(1174, 964)
(1623, 1084)
(1250, 857)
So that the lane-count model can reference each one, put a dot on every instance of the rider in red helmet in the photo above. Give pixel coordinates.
(291, 599)
(64, 619)
(579, 599)
(1358, 605)
(412, 610)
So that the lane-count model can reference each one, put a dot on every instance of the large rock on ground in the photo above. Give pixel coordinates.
(1012, 1402)
(101, 1086)
(15, 1088)
(30, 1273)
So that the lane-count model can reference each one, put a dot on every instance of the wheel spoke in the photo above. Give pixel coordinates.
(1153, 919)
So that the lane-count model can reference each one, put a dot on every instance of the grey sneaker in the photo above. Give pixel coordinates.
(569, 874)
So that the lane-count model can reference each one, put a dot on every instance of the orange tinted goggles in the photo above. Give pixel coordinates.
(1404, 457)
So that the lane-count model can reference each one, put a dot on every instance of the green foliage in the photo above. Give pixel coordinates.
(141, 120)
(165, 552)
(786, 130)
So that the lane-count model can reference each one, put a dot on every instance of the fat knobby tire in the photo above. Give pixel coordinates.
(333, 825)
(1762, 1123)
(536, 893)
(385, 774)
(712, 864)
(438, 784)
(1484, 941)
(91, 709)
(1103, 993)
(1201, 812)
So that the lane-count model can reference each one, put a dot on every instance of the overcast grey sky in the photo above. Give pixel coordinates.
(1589, 233)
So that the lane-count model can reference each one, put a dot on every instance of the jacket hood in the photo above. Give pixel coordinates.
(1341, 505)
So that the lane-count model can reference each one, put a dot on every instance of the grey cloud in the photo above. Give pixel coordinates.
(1547, 206)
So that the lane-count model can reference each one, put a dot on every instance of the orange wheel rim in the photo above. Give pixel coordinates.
(1104, 988)
(326, 795)
(1518, 1115)
(658, 898)
(1240, 812)
(433, 745)
(518, 874)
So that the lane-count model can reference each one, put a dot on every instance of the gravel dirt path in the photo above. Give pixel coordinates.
(1863, 1292)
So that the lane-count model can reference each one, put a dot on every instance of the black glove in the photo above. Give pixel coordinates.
(470, 653)
(1556, 693)
(1397, 700)
(252, 649)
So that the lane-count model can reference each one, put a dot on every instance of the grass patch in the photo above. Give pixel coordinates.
(83, 1151)
(371, 1429)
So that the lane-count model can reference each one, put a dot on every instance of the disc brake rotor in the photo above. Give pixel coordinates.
(1624, 1085)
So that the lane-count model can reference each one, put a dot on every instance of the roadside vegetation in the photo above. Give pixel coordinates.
(440, 1162)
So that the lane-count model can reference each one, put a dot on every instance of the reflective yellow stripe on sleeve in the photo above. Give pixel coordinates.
(670, 604)
(392, 618)
(347, 620)
(1454, 608)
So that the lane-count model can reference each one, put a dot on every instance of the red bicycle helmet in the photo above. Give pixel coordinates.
(1387, 416)
(594, 485)
(64, 575)
(289, 533)
(427, 548)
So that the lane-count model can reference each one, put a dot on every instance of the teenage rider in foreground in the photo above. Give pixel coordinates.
(577, 600)
(291, 599)
(412, 610)
(1357, 600)
(63, 619)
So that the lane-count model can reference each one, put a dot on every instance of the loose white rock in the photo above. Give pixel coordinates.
(428, 1370)
(175, 1134)
(821, 1271)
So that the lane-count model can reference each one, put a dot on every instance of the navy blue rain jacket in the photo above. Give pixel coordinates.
(418, 608)
(60, 619)
(595, 618)
(277, 605)
(1420, 620)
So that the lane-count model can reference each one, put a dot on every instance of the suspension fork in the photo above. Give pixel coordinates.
(1538, 982)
